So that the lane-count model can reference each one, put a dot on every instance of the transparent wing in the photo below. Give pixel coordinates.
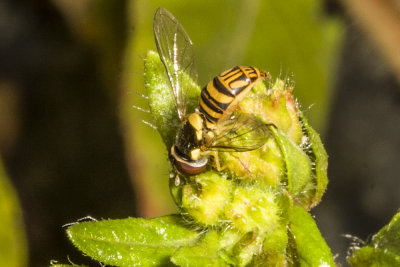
(244, 132)
(176, 52)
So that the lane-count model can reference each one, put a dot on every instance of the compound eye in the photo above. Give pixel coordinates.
(188, 168)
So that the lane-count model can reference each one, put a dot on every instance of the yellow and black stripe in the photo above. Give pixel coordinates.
(222, 94)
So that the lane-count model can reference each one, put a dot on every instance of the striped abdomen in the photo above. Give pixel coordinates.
(222, 94)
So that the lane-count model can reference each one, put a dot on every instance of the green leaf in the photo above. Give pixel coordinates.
(384, 248)
(310, 247)
(161, 99)
(319, 158)
(298, 165)
(132, 241)
(388, 238)
(373, 257)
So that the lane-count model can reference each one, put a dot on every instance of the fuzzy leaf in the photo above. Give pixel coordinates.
(373, 257)
(298, 165)
(132, 241)
(318, 156)
(311, 249)
(161, 100)
(388, 238)
(384, 249)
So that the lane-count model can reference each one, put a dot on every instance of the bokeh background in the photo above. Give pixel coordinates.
(74, 137)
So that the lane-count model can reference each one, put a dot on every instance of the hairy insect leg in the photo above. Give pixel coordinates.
(217, 163)
(245, 165)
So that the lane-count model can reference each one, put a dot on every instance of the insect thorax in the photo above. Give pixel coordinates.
(186, 155)
(189, 140)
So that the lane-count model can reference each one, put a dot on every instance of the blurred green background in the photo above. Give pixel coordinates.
(72, 136)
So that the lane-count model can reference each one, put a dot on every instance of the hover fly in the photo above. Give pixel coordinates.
(213, 126)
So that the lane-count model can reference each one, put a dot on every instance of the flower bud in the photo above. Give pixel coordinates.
(276, 106)
(205, 196)
(264, 165)
(253, 208)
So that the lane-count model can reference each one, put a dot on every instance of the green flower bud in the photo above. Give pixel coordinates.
(250, 245)
(295, 156)
(253, 208)
(245, 198)
(265, 165)
(275, 241)
(277, 106)
(205, 196)
(273, 251)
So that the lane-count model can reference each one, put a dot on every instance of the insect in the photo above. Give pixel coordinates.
(213, 126)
